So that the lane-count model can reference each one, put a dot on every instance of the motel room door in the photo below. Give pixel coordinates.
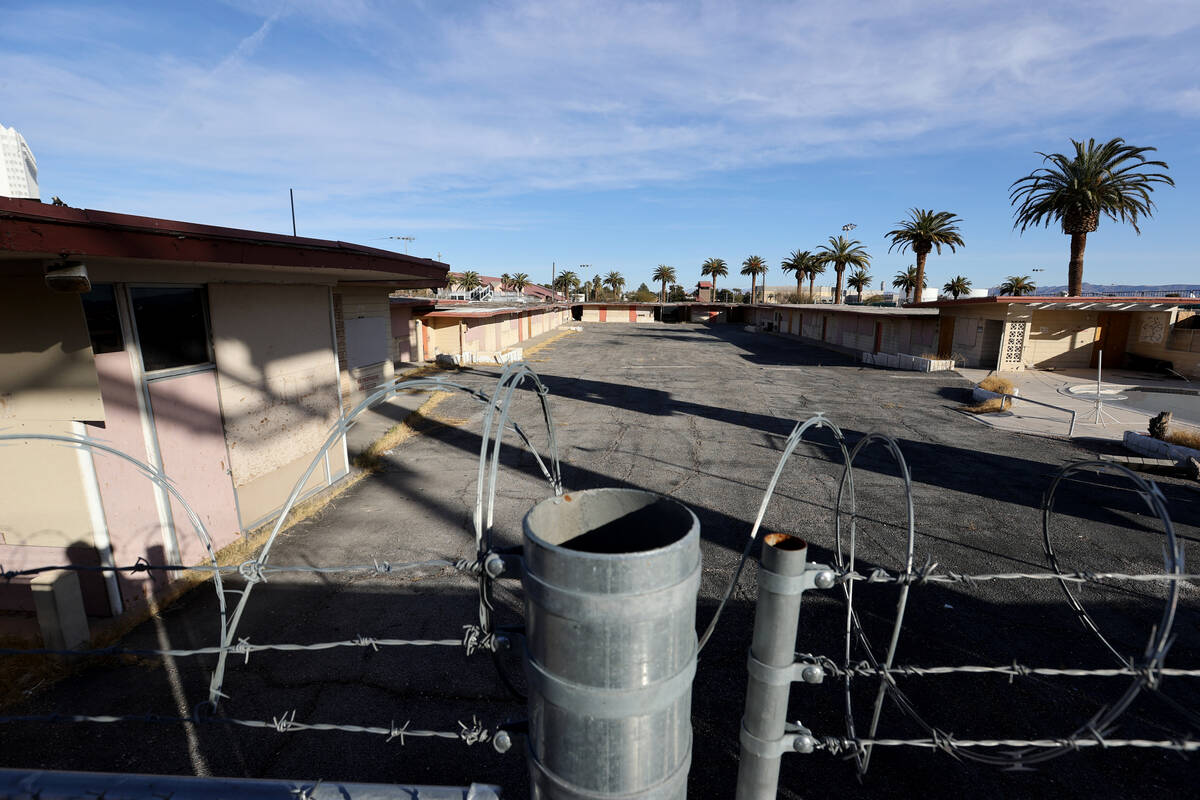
(1112, 333)
(945, 336)
(182, 414)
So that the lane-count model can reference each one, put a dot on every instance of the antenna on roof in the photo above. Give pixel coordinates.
(406, 239)
(292, 197)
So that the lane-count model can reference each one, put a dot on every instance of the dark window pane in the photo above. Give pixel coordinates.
(104, 326)
(171, 326)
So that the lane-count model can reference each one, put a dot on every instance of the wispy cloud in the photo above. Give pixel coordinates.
(552, 94)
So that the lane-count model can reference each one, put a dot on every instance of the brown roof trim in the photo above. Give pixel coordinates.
(27, 226)
(489, 313)
(1032, 298)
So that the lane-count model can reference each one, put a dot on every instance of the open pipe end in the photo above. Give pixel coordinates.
(785, 541)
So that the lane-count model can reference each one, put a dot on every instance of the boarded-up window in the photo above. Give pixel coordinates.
(47, 371)
(366, 341)
(966, 331)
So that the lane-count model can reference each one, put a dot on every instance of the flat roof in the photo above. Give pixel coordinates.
(481, 312)
(883, 311)
(31, 229)
(1070, 303)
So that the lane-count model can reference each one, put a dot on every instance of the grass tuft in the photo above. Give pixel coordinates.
(1185, 438)
(994, 383)
(990, 406)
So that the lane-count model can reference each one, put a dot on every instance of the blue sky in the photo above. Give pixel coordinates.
(509, 135)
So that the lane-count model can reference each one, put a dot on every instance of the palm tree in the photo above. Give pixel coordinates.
(469, 280)
(566, 281)
(1076, 191)
(924, 231)
(1017, 285)
(505, 280)
(615, 281)
(714, 267)
(795, 263)
(814, 268)
(859, 280)
(754, 266)
(906, 281)
(665, 275)
(957, 285)
(519, 282)
(841, 253)
(596, 284)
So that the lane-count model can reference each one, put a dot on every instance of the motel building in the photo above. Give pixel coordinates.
(995, 333)
(220, 356)
(1016, 333)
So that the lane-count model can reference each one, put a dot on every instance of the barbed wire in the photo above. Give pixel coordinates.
(473, 639)
(473, 733)
(927, 575)
(950, 744)
(255, 569)
(1013, 670)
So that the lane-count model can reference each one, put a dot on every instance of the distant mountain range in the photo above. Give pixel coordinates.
(1122, 288)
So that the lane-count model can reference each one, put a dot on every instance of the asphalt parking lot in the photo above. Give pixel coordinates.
(698, 413)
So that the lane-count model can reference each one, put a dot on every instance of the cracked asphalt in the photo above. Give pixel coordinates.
(700, 413)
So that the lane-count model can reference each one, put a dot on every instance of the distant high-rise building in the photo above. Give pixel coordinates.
(18, 167)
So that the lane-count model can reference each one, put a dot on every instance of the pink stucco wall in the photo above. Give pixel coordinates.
(127, 495)
(187, 418)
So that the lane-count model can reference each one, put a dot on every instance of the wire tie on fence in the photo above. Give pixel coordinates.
(466, 565)
(285, 723)
(398, 733)
(381, 567)
(475, 639)
(243, 648)
(879, 575)
(1096, 734)
(473, 734)
(252, 571)
(367, 641)
(943, 741)
(923, 573)
(142, 565)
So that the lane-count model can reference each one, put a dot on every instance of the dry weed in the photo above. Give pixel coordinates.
(990, 406)
(1185, 438)
(994, 383)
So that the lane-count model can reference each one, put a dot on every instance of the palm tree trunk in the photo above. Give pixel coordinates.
(837, 294)
(662, 298)
(799, 284)
(920, 287)
(753, 294)
(811, 279)
(1075, 265)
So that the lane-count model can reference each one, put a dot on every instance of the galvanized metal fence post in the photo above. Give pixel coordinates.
(610, 579)
(781, 580)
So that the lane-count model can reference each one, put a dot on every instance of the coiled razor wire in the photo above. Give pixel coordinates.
(846, 560)
(1145, 672)
(818, 420)
(512, 375)
(257, 570)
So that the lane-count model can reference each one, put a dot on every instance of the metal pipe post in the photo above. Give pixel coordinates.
(776, 617)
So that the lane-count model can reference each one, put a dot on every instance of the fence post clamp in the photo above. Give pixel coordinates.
(796, 672)
(815, 576)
